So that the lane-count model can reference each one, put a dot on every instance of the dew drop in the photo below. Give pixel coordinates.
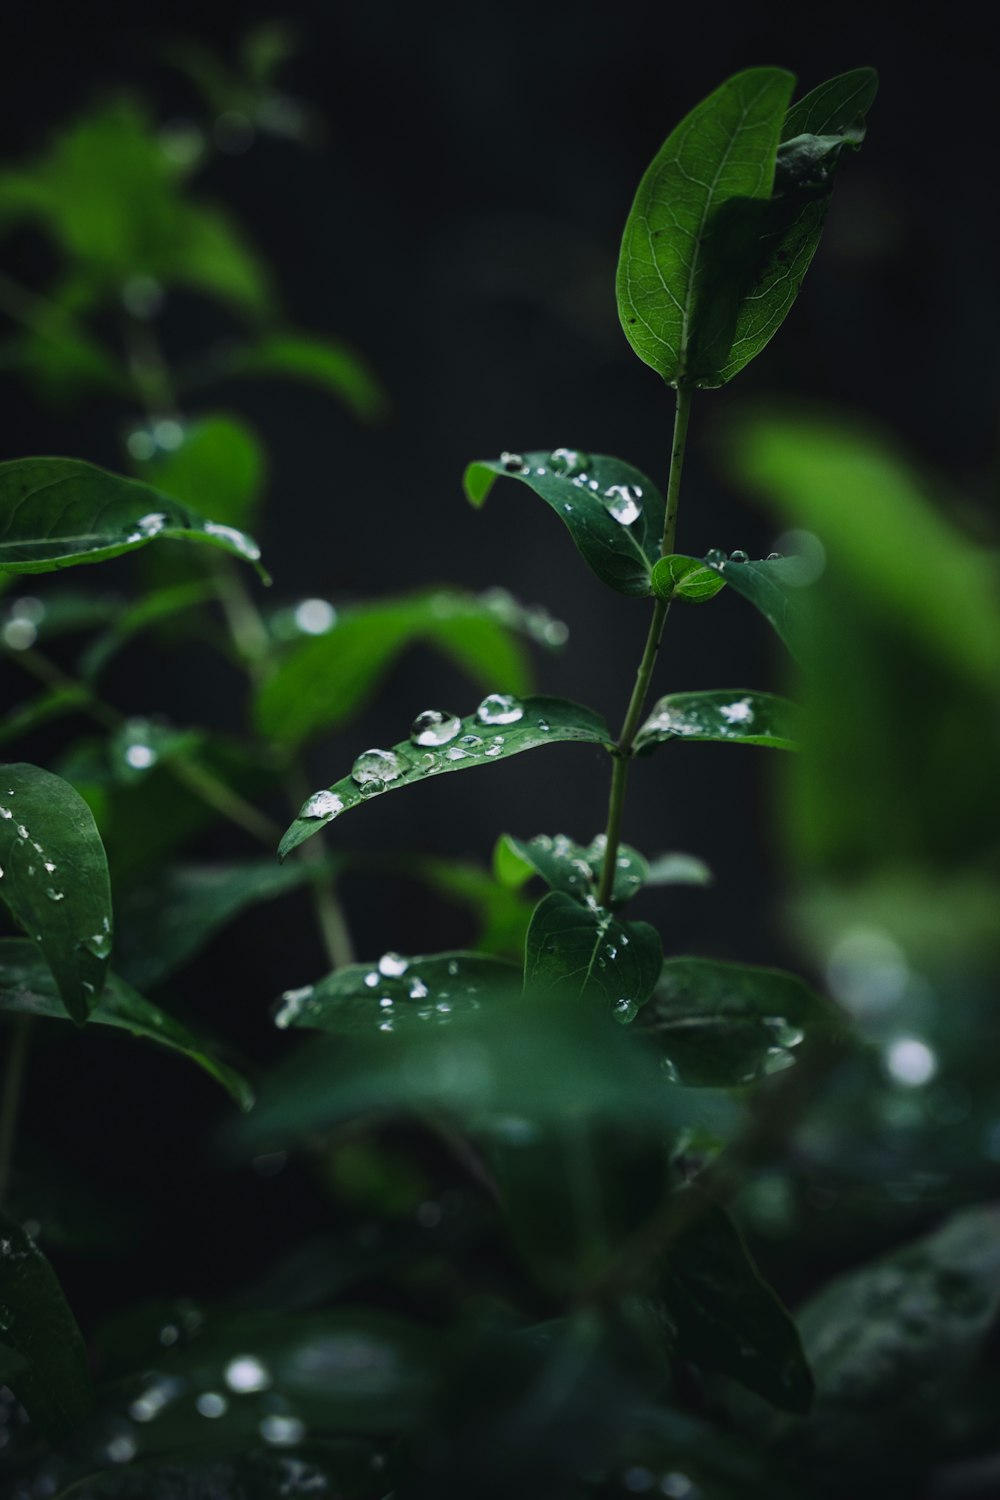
(315, 616)
(500, 708)
(738, 556)
(211, 1404)
(715, 557)
(140, 757)
(376, 767)
(418, 990)
(292, 1004)
(623, 502)
(737, 713)
(513, 462)
(245, 1373)
(392, 965)
(569, 461)
(434, 727)
(152, 524)
(322, 804)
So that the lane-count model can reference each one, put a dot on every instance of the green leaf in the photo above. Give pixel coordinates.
(140, 745)
(502, 914)
(722, 1025)
(166, 922)
(61, 360)
(323, 681)
(678, 869)
(398, 994)
(478, 741)
(26, 988)
(55, 880)
(42, 1355)
(815, 134)
(575, 869)
(341, 1467)
(686, 578)
(582, 950)
(724, 1314)
(326, 363)
(882, 530)
(23, 718)
(690, 240)
(774, 587)
(57, 512)
(612, 511)
(218, 467)
(746, 718)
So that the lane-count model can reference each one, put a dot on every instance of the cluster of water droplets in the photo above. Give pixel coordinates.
(535, 620)
(699, 719)
(622, 501)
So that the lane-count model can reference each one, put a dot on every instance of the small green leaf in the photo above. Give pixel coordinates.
(575, 869)
(746, 718)
(165, 922)
(691, 237)
(678, 869)
(722, 1025)
(217, 467)
(57, 512)
(502, 726)
(399, 993)
(55, 880)
(679, 577)
(26, 988)
(583, 950)
(774, 586)
(42, 1355)
(612, 511)
(726, 1317)
(324, 680)
(325, 363)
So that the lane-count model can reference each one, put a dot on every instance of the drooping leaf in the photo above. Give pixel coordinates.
(686, 578)
(27, 988)
(725, 1317)
(502, 726)
(747, 718)
(399, 993)
(817, 131)
(326, 363)
(612, 511)
(575, 869)
(774, 586)
(55, 880)
(721, 1025)
(42, 1356)
(690, 240)
(585, 951)
(166, 922)
(218, 467)
(57, 512)
(322, 681)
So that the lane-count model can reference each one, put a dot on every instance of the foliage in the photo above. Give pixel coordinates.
(541, 1167)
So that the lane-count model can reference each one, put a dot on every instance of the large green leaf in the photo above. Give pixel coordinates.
(721, 1025)
(42, 1356)
(612, 511)
(746, 718)
(398, 993)
(218, 467)
(321, 682)
(326, 363)
(500, 727)
(55, 880)
(166, 921)
(691, 237)
(574, 869)
(774, 585)
(27, 988)
(815, 134)
(57, 512)
(584, 950)
(724, 1315)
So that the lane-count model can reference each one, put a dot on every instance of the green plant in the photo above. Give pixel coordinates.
(539, 1286)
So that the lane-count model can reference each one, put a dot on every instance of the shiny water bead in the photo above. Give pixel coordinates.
(512, 462)
(623, 502)
(322, 804)
(500, 708)
(434, 727)
(569, 461)
(739, 556)
(392, 965)
(376, 765)
(715, 557)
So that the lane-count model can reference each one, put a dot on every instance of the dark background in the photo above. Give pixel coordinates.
(460, 226)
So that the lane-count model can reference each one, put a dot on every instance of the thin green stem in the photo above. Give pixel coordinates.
(637, 702)
(10, 1101)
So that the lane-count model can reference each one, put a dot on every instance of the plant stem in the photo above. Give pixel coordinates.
(637, 702)
(13, 1078)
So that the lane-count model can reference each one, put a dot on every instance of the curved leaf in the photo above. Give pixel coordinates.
(720, 714)
(539, 721)
(58, 512)
(26, 988)
(55, 880)
(399, 993)
(217, 467)
(575, 869)
(583, 950)
(691, 236)
(326, 363)
(722, 1025)
(686, 578)
(48, 1371)
(587, 493)
(773, 586)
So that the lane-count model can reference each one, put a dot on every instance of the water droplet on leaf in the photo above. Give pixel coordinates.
(500, 708)
(434, 727)
(376, 766)
(623, 502)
